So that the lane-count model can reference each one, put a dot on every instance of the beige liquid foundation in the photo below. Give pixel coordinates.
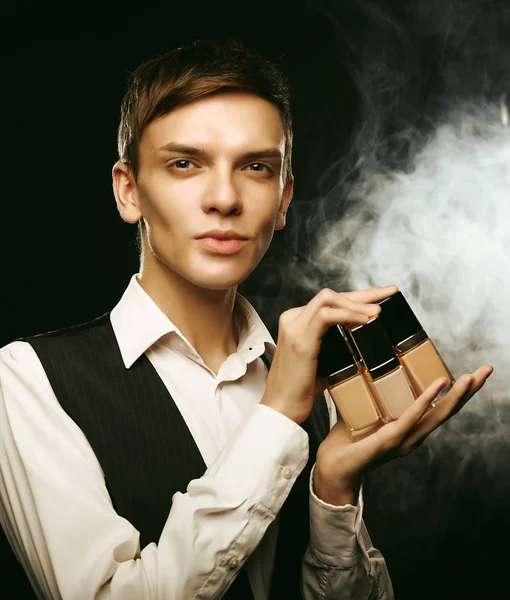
(386, 377)
(347, 385)
(416, 352)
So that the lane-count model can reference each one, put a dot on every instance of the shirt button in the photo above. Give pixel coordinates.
(233, 563)
(287, 472)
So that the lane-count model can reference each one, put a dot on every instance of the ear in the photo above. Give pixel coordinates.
(126, 193)
(284, 204)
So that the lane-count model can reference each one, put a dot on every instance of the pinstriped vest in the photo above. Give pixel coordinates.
(144, 446)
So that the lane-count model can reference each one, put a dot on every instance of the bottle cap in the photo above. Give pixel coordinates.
(335, 357)
(375, 347)
(399, 319)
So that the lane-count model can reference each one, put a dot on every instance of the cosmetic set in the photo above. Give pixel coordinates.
(376, 371)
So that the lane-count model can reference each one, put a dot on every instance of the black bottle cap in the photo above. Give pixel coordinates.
(398, 318)
(334, 354)
(375, 347)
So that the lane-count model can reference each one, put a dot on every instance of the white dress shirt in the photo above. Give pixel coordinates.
(58, 516)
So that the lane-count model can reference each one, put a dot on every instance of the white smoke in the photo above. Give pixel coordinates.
(442, 234)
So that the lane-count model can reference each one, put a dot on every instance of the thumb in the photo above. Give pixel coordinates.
(321, 384)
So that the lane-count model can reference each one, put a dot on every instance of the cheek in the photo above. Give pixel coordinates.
(271, 211)
(163, 206)
(267, 221)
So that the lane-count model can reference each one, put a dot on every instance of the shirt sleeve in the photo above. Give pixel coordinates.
(341, 562)
(60, 522)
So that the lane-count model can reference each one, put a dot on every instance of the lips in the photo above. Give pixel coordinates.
(220, 234)
(223, 242)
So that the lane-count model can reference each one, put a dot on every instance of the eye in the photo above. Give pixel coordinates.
(260, 168)
(182, 164)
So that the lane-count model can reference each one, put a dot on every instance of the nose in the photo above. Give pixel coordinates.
(222, 195)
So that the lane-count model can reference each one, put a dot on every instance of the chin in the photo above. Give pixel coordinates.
(218, 279)
(216, 283)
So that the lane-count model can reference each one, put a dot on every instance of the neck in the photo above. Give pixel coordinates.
(204, 317)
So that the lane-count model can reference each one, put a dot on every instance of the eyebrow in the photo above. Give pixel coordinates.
(271, 153)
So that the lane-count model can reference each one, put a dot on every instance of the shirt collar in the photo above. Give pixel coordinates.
(138, 323)
(253, 334)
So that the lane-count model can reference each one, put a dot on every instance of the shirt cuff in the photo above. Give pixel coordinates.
(335, 530)
(263, 459)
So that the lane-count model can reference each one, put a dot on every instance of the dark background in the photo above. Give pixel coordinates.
(361, 72)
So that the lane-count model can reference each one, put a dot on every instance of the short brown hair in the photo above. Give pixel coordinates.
(192, 72)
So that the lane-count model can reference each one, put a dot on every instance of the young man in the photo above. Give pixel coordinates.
(149, 453)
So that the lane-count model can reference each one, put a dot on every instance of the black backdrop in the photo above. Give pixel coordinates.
(69, 256)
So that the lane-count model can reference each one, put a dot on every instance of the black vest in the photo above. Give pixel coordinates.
(144, 446)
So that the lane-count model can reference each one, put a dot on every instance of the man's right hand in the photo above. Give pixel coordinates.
(292, 383)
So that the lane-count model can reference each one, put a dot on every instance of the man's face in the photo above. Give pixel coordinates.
(214, 165)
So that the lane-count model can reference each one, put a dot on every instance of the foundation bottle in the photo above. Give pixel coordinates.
(415, 350)
(386, 377)
(347, 386)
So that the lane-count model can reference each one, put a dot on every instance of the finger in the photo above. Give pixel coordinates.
(453, 401)
(391, 436)
(332, 308)
(362, 301)
(328, 297)
(419, 407)
(446, 407)
(373, 294)
(326, 316)
(478, 379)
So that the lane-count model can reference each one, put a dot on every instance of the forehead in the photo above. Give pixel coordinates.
(230, 121)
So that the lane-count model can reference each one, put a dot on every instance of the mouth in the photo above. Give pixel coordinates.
(223, 246)
(223, 241)
(223, 234)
